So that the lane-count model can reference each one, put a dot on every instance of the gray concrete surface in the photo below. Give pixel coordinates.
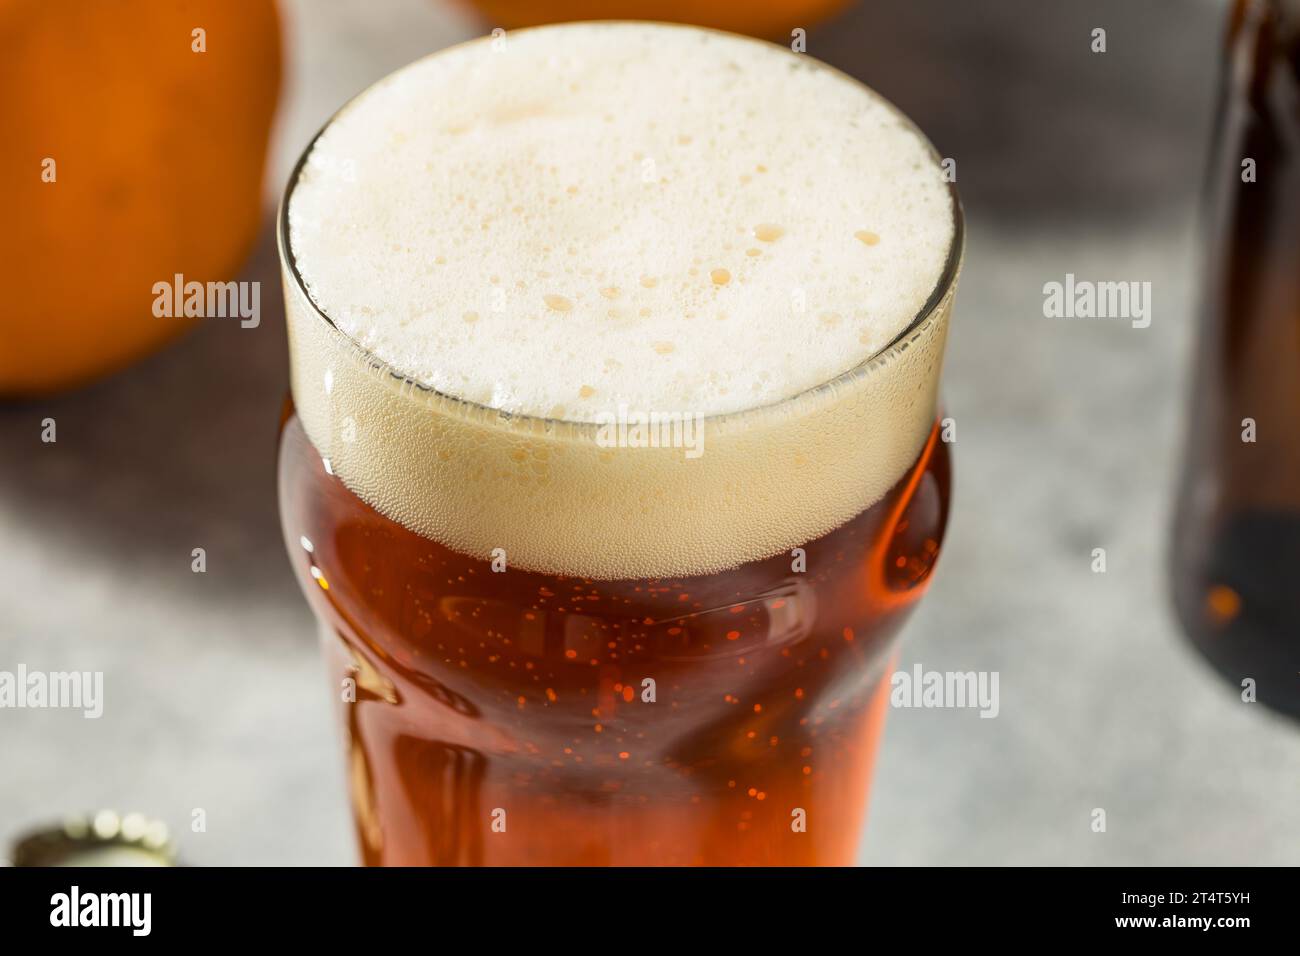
(1067, 440)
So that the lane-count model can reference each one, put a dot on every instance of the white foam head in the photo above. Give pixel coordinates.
(588, 217)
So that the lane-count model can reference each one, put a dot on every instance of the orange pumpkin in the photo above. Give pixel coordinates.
(129, 156)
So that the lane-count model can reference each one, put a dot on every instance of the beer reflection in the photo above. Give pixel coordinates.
(443, 785)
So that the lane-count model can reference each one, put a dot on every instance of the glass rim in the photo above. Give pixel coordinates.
(942, 290)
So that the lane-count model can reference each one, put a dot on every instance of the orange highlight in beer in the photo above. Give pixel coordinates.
(1222, 603)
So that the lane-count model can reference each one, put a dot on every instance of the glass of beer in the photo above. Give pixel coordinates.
(613, 465)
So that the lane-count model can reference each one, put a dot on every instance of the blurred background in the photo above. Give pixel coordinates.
(1068, 439)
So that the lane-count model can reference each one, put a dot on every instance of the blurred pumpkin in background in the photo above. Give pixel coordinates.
(134, 139)
(769, 19)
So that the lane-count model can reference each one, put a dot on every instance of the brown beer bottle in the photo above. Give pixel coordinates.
(1236, 560)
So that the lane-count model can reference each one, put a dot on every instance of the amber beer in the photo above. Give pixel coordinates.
(548, 649)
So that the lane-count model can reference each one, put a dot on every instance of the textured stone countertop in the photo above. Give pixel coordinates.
(1067, 439)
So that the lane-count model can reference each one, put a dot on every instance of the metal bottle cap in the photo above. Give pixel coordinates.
(101, 839)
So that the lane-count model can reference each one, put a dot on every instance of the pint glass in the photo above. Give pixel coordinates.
(553, 638)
